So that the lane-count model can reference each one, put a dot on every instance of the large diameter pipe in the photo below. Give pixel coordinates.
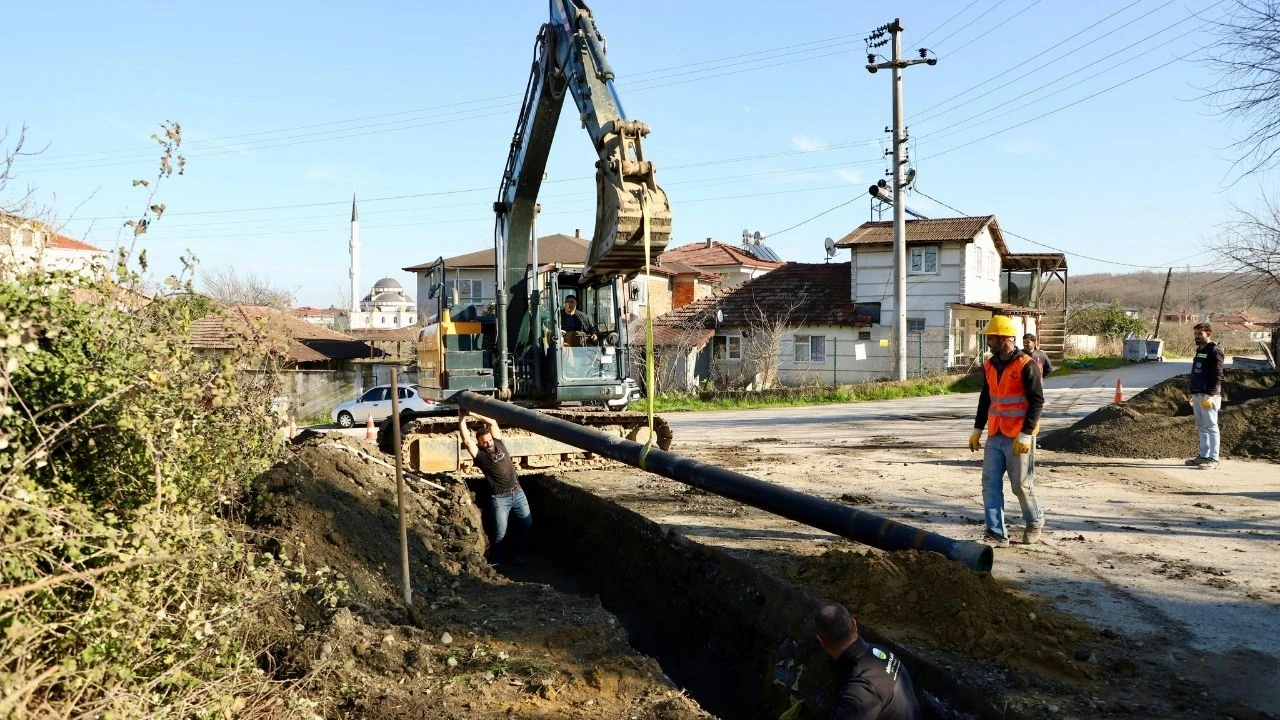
(842, 520)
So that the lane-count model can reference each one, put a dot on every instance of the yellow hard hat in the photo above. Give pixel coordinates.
(1002, 325)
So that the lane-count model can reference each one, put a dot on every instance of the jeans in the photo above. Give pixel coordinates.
(505, 506)
(1207, 424)
(997, 459)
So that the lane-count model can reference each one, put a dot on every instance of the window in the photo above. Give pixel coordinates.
(981, 326)
(924, 260)
(811, 348)
(727, 347)
(915, 325)
(376, 395)
(469, 291)
(404, 393)
(864, 335)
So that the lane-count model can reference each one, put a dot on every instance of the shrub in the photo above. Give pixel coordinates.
(124, 589)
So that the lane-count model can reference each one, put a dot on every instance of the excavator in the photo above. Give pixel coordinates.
(526, 349)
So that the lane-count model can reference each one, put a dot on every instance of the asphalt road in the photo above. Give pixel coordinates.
(939, 421)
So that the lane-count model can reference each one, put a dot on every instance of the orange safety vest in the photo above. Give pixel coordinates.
(1008, 397)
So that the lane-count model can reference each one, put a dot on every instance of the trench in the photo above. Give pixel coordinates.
(735, 639)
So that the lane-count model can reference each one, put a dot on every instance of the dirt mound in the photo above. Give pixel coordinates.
(923, 596)
(481, 646)
(1158, 422)
(334, 503)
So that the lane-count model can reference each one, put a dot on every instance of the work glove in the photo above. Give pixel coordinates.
(1022, 445)
(975, 441)
(1206, 403)
(792, 712)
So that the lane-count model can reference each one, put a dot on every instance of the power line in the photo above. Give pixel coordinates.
(1042, 66)
(815, 217)
(959, 126)
(1002, 23)
(981, 15)
(213, 146)
(584, 210)
(1071, 104)
(945, 23)
(1064, 252)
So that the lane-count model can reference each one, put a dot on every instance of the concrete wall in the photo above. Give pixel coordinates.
(1081, 344)
(315, 392)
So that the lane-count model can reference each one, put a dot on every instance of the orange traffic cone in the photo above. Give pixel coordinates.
(1119, 392)
(368, 430)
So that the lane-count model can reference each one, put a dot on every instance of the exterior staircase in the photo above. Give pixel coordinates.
(1053, 334)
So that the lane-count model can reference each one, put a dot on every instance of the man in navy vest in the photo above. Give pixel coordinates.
(1206, 395)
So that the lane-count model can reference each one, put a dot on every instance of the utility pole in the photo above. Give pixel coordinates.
(896, 64)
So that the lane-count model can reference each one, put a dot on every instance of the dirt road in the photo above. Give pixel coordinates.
(1182, 565)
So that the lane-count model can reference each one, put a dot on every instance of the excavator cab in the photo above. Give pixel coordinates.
(582, 339)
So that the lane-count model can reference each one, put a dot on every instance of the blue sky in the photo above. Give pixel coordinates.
(763, 116)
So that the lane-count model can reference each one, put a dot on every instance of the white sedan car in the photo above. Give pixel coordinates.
(376, 402)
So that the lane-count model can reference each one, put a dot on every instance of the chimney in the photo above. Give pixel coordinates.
(577, 232)
(708, 242)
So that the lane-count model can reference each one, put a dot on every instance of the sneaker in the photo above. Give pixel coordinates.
(1209, 464)
(1195, 461)
(1032, 533)
(995, 540)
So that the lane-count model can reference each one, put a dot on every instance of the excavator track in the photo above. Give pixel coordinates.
(430, 443)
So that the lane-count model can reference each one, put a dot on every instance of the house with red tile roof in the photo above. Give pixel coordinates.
(27, 243)
(959, 274)
(733, 264)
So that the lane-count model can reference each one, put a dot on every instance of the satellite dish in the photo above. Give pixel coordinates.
(719, 316)
(831, 247)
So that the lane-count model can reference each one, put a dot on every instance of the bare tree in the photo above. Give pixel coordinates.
(228, 285)
(9, 154)
(1246, 56)
(681, 339)
(765, 326)
(1249, 247)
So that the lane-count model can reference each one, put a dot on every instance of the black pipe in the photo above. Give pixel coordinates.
(842, 520)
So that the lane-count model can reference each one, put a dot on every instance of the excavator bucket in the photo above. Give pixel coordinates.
(626, 195)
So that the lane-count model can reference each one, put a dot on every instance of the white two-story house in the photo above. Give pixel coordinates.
(959, 274)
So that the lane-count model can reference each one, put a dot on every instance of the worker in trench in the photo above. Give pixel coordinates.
(1009, 408)
(511, 518)
(874, 685)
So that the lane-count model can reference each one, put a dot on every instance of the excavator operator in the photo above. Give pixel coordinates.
(574, 323)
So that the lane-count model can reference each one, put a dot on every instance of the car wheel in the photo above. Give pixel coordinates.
(345, 420)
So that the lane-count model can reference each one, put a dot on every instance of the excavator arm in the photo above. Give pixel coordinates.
(570, 56)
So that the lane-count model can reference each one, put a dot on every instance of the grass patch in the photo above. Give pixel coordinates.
(1086, 363)
(924, 387)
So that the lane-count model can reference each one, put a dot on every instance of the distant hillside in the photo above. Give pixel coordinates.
(1197, 292)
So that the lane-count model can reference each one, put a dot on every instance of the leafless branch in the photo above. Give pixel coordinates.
(1246, 57)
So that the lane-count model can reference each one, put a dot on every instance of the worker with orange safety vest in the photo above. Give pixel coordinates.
(1010, 403)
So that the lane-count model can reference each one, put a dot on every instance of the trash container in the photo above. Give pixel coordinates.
(1134, 349)
(1155, 350)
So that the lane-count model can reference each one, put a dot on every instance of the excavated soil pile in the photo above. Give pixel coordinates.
(922, 596)
(1158, 422)
(475, 644)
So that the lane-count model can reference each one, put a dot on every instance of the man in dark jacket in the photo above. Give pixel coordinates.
(574, 320)
(1206, 395)
(1031, 346)
(873, 683)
